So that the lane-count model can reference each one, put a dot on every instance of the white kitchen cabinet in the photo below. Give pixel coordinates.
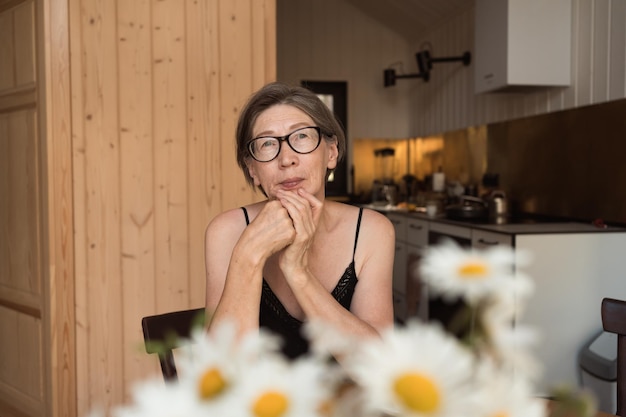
(521, 44)
(411, 238)
(573, 266)
(416, 292)
(400, 223)
(417, 232)
(399, 282)
(484, 239)
(572, 273)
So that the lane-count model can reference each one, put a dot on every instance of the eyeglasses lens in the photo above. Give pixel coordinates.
(302, 141)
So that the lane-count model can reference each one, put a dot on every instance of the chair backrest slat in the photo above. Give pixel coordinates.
(614, 321)
(173, 329)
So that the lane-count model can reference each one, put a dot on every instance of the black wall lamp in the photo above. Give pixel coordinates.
(424, 64)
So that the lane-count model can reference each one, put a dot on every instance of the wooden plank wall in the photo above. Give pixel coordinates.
(156, 88)
(21, 245)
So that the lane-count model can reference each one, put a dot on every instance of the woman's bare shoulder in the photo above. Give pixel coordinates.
(226, 219)
(371, 221)
(377, 222)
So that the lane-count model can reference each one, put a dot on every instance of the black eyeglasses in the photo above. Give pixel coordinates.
(304, 140)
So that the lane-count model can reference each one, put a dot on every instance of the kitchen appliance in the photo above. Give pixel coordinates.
(497, 204)
(468, 207)
(384, 189)
(384, 160)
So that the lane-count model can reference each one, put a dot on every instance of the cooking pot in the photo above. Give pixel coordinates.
(469, 207)
(497, 204)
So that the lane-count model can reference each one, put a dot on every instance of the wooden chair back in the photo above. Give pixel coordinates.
(164, 332)
(614, 321)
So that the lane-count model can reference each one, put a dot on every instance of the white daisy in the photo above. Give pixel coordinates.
(452, 272)
(510, 342)
(214, 363)
(154, 398)
(274, 387)
(415, 371)
(327, 340)
(507, 394)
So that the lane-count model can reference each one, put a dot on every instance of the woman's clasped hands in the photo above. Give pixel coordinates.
(305, 212)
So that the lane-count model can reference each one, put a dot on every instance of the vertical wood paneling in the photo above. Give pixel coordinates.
(170, 154)
(601, 40)
(617, 50)
(236, 85)
(570, 94)
(22, 244)
(99, 88)
(263, 41)
(21, 367)
(19, 251)
(157, 88)
(25, 43)
(80, 215)
(201, 170)
(137, 179)
(583, 83)
(54, 123)
(7, 50)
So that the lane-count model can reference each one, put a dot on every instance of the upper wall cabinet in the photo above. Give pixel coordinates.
(522, 43)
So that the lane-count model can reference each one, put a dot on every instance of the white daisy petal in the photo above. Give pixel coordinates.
(506, 394)
(455, 272)
(417, 370)
(274, 387)
(155, 398)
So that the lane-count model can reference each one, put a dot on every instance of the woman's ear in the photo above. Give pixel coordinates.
(333, 154)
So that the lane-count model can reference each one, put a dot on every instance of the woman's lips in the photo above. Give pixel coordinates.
(291, 183)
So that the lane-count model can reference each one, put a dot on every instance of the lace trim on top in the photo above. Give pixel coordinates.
(342, 292)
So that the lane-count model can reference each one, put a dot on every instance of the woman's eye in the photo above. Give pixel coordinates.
(302, 135)
(267, 143)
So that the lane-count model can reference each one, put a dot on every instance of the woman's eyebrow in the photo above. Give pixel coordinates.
(293, 127)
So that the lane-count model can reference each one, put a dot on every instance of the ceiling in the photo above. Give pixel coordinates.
(412, 19)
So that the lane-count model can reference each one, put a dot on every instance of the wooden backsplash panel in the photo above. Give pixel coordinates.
(568, 163)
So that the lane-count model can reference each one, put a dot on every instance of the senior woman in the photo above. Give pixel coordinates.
(296, 256)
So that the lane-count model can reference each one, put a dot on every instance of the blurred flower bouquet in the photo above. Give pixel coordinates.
(413, 370)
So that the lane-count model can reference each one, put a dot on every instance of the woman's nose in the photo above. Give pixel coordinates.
(287, 156)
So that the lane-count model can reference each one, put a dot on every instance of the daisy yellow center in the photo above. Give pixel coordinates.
(270, 404)
(417, 392)
(500, 414)
(473, 270)
(212, 383)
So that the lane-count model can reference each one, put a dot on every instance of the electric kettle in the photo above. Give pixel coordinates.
(497, 204)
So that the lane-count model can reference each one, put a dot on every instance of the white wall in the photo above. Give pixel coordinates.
(598, 73)
(332, 40)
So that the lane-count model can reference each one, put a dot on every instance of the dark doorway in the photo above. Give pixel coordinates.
(335, 95)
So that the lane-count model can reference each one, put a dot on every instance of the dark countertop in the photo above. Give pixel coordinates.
(515, 226)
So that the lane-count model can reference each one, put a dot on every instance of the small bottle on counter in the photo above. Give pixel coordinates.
(439, 181)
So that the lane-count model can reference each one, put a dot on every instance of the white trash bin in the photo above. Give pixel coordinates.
(598, 369)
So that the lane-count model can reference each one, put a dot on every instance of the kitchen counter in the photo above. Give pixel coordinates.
(574, 265)
(513, 227)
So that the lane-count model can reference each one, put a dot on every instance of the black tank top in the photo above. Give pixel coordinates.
(274, 316)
